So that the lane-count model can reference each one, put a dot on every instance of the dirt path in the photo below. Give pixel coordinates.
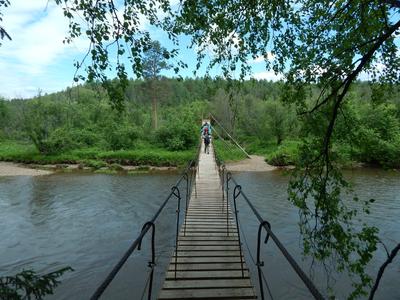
(254, 164)
(13, 169)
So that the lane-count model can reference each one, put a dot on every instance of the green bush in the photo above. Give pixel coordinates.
(94, 164)
(374, 150)
(286, 154)
(86, 137)
(378, 136)
(59, 140)
(177, 136)
(122, 136)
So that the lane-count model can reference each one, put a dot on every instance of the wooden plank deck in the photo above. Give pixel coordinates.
(208, 262)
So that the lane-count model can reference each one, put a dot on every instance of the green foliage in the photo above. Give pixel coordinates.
(177, 136)
(16, 151)
(322, 47)
(121, 136)
(28, 284)
(226, 151)
(94, 164)
(58, 141)
(286, 154)
(378, 137)
(155, 60)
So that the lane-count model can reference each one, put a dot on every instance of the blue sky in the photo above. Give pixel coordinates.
(37, 60)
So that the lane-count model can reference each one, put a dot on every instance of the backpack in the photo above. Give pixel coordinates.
(207, 139)
(205, 130)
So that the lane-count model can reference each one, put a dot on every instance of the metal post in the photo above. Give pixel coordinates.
(177, 194)
(259, 262)
(228, 178)
(194, 178)
(236, 193)
(151, 263)
(187, 201)
(223, 183)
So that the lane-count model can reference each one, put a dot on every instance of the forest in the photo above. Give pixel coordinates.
(81, 125)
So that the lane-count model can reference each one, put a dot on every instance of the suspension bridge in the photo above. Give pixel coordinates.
(208, 260)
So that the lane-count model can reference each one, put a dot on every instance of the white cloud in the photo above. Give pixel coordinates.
(367, 76)
(261, 58)
(267, 75)
(37, 31)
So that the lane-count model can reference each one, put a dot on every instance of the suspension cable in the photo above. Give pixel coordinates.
(309, 284)
(227, 133)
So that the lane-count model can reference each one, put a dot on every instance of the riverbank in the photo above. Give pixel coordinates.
(95, 158)
(13, 169)
(16, 169)
(255, 163)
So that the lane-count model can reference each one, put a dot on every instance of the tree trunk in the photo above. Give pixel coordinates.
(154, 106)
(154, 112)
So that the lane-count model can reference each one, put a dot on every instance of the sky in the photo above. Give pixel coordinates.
(36, 59)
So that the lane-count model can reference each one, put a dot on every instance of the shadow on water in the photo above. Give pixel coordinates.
(88, 221)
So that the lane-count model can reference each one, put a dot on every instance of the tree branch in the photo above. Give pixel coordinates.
(349, 80)
(393, 3)
(382, 269)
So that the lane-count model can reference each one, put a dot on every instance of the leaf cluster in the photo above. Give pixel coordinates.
(28, 284)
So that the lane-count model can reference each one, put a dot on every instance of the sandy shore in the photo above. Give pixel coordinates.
(254, 164)
(13, 169)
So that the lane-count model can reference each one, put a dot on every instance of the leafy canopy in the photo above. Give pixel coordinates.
(328, 43)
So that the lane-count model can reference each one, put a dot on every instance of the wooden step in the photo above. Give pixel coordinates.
(209, 263)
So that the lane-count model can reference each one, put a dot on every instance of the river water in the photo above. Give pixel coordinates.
(87, 221)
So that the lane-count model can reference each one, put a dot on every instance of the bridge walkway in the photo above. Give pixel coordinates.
(209, 262)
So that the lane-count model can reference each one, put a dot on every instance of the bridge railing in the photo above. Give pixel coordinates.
(186, 181)
(227, 180)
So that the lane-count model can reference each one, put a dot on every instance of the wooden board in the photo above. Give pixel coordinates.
(209, 262)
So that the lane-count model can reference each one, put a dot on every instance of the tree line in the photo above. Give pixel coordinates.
(255, 112)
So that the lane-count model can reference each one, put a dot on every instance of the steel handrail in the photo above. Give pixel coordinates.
(192, 165)
(266, 225)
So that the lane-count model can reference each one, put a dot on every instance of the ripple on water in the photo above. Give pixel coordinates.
(88, 221)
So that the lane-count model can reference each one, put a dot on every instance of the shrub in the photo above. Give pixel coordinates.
(121, 136)
(286, 154)
(60, 140)
(177, 136)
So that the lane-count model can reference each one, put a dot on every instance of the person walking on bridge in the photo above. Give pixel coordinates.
(205, 128)
(206, 136)
(207, 140)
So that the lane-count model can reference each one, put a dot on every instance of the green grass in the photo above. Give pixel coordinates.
(95, 157)
(282, 155)
(14, 151)
(226, 151)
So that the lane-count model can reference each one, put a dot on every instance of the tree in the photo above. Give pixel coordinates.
(154, 61)
(328, 43)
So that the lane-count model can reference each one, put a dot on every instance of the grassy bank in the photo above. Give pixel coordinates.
(95, 157)
(282, 155)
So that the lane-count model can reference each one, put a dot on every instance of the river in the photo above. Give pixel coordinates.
(87, 221)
